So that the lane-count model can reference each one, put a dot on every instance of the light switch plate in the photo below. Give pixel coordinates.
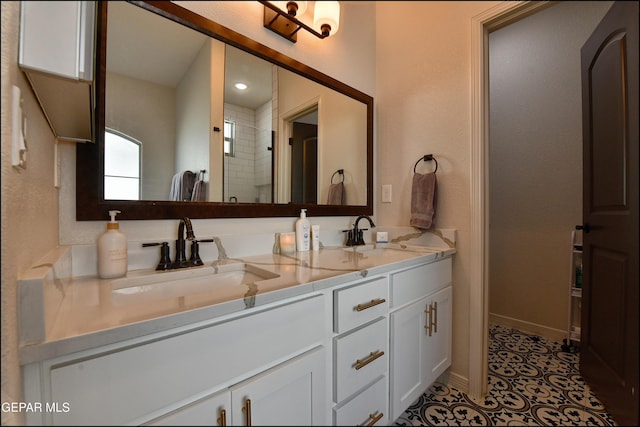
(386, 193)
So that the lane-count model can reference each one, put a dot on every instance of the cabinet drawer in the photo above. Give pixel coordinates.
(367, 408)
(359, 304)
(415, 283)
(360, 357)
(163, 372)
(212, 410)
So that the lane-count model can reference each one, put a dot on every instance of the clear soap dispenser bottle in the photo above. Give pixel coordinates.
(112, 250)
(303, 232)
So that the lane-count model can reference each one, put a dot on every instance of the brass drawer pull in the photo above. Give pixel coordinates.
(222, 419)
(247, 411)
(374, 419)
(372, 356)
(373, 303)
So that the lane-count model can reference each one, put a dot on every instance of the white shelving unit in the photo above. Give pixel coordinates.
(575, 292)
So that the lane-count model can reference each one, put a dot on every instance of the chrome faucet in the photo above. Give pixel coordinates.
(354, 236)
(181, 260)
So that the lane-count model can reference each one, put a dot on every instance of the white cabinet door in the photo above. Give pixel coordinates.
(57, 37)
(420, 347)
(439, 342)
(408, 355)
(210, 411)
(289, 394)
(56, 51)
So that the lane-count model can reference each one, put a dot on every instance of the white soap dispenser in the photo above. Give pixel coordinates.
(303, 232)
(112, 250)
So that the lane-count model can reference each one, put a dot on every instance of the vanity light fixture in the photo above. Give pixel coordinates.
(280, 17)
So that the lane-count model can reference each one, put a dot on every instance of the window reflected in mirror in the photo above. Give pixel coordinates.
(121, 166)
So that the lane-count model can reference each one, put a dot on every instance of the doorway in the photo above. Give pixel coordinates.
(535, 164)
(304, 159)
(493, 19)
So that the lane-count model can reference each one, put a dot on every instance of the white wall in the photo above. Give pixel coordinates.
(536, 162)
(193, 114)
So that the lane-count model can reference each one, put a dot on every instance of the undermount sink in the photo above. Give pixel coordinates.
(189, 281)
(381, 248)
(414, 248)
(367, 249)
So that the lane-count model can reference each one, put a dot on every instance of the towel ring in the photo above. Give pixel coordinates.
(340, 172)
(426, 158)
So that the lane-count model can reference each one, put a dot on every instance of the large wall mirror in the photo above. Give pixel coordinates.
(177, 137)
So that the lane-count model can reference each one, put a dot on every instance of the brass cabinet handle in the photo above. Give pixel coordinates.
(247, 411)
(222, 419)
(373, 303)
(435, 317)
(374, 419)
(372, 356)
(427, 325)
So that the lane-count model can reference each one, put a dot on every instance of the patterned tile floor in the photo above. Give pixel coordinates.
(532, 382)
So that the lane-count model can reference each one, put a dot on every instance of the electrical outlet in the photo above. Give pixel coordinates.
(386, 193)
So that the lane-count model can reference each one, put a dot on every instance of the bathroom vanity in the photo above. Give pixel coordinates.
(344, 335)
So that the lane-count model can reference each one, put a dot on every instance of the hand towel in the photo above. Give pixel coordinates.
(199, 194)
(176, 187)
(424, 193)
(188, 181)
(336, 194)
(182, 186)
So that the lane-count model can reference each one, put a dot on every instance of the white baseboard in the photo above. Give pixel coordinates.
(528, 327)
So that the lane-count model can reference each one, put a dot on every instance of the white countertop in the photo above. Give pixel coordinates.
(92, 312)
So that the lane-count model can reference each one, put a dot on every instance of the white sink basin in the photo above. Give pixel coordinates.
(179, 283)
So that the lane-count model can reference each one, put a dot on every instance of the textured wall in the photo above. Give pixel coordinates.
(29, 202)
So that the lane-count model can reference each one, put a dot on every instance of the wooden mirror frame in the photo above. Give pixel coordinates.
(90, 202)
